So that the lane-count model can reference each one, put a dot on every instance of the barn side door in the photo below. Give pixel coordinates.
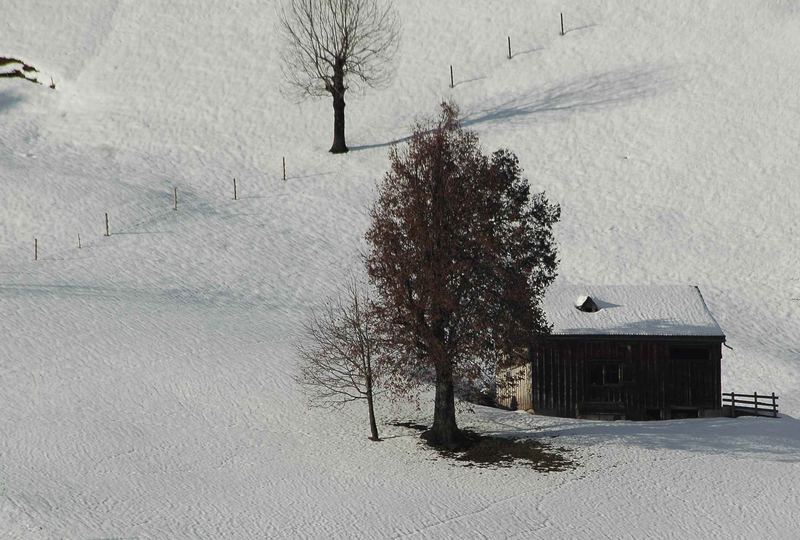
(681, 383)
(691, 380)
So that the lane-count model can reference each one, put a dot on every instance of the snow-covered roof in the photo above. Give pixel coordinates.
(638, 310)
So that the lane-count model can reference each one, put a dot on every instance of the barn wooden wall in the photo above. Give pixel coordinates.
(657, 383)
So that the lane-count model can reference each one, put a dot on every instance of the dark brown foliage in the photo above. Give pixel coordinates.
(461, 255)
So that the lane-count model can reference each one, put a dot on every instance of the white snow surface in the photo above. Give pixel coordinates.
(630, 310)
(147, 378)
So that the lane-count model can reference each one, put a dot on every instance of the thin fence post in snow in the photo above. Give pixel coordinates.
(108, 232)
(174, 198)
(79, 241)
(509, 47)
(235, 194)
(733, 405)
(284, 168)
(562, 24)
(35, 249)
(774, 406)
(755, 400)
(452, 82)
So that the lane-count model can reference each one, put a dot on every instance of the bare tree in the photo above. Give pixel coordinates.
(338, 352)
(335, 45)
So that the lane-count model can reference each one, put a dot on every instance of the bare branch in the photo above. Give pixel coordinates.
(358, 37)
(336, 353)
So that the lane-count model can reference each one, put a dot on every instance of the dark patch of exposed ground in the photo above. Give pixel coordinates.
(21, 72)
(409, 425)
(476, 450)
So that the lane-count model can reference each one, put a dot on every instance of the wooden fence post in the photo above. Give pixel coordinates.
(562, 24)
(108, 233)
(174, 198)
(452, 83)
(284, 168)
(774, 406)
(509, 47)
(235, 195)
(79, 241)
(755, 401)
(733, 405)
(35, 249)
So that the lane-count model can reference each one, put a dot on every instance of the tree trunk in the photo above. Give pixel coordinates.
(339, 145)
(444, 431)
(373, 427)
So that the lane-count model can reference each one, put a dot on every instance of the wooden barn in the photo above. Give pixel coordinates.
(622, 352)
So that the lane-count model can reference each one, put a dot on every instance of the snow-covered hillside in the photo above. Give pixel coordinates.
(146, 378)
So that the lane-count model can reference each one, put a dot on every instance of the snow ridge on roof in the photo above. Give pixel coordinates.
(631, 310)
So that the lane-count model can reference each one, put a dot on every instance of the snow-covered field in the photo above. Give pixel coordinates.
(147, 378)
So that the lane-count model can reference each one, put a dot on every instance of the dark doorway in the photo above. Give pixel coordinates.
(691, 372)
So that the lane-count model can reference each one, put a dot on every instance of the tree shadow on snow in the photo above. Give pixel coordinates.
(774, 439)
(488, 451)
(393, 142)
(593, 92)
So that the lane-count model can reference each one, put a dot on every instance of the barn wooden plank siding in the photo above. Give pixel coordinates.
(654, 361)
(519, 394)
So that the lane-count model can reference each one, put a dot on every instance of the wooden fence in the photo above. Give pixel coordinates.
(751, 404)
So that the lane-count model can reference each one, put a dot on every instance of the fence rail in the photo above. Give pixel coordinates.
(754, 404)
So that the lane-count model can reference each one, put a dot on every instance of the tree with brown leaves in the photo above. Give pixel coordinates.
(338, 350)
(333, 45)
(461, 255)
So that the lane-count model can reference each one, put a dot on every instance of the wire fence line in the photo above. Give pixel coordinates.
(122, 220)
(118, 218)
